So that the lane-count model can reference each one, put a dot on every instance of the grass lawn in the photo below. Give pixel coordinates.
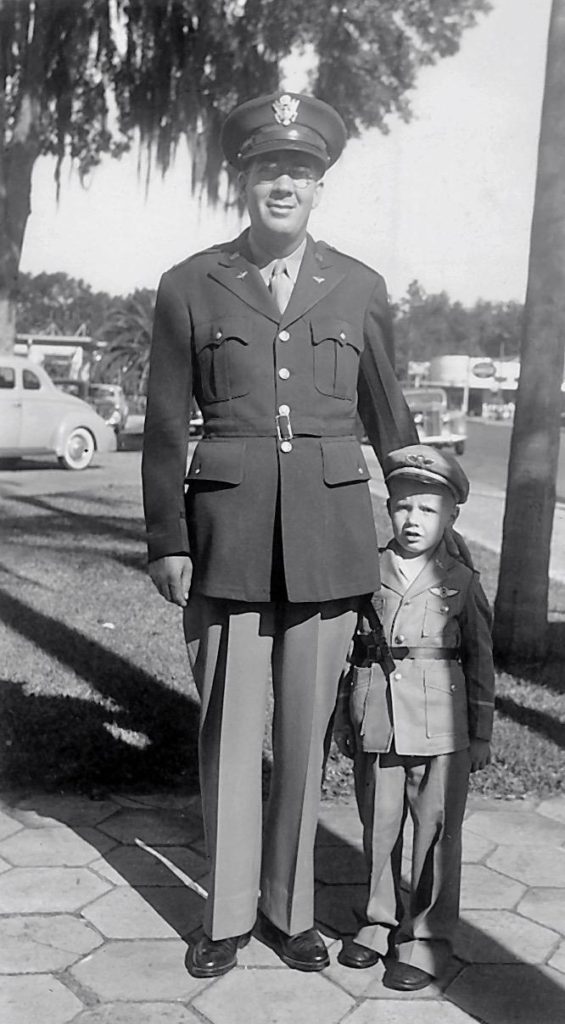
(95, 691)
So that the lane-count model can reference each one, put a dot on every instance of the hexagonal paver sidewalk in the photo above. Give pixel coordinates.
(96, 912)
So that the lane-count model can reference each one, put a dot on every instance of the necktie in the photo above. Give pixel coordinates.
(280, 285)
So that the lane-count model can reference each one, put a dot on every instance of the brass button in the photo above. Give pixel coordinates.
(286, 447)
(284, 335)
(284, 410)
(399, 639)
(398, 675)
(218, 334)
(342, 335)
(197, 470)
(453, 687)
(284, 374)
(445, 608)
(361, 470)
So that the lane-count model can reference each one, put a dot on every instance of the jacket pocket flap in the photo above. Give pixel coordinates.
(335, 330)
(219, 461)
(443, 678)
(216, 332)
(343, 462)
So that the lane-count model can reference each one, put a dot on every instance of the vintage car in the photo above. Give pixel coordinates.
(108, 400)
(437, 424)
(36, 418)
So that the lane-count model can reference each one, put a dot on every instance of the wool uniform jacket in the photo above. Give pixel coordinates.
(279, 467)
(429, 706)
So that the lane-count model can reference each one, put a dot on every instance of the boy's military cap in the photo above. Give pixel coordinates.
(427, 464)
(285, 120)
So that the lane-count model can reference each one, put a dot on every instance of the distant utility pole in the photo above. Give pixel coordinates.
(520, 630)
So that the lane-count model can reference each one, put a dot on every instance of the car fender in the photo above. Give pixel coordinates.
(104, 436)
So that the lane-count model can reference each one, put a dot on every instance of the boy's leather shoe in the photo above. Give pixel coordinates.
(303, 952)
(209, 958)
(353, 954)
(405, 978)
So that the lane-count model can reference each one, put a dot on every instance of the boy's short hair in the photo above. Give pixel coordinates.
(428, 465)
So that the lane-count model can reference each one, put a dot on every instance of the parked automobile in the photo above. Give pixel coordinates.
(196, 422)
(436, 423)
(108, 400)
(37, 418)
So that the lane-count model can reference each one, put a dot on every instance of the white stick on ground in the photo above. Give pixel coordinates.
(189, 882)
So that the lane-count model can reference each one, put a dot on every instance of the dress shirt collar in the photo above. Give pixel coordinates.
(265, 262)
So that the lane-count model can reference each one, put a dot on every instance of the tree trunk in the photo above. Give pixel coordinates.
(19, 149)
(520, 627)
(16, 168)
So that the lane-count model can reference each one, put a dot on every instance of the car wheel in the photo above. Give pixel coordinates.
(459, 447)
(78, 449)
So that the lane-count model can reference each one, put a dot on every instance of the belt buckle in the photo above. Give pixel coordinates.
(284, 428)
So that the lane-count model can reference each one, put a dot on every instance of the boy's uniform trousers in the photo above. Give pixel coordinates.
(414, 729)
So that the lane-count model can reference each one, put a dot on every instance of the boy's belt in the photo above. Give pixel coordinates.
(431, 653)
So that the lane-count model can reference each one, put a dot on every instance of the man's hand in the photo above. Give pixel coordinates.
(480, 754)
(343, 732)
(171, 576)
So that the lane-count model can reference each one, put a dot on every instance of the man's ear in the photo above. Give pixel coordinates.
(388, 505)
(455, 514)
(242, 181)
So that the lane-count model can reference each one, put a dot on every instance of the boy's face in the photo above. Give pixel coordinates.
(420, 513)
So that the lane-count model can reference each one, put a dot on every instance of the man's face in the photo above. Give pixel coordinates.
(420, 513)
(282, 188)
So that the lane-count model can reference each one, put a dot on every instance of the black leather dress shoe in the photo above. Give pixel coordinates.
(303, 952)
(353, 954)
(405, 978)
(209, 958)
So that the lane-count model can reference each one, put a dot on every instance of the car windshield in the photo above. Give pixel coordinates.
(424, 399)
(101, 391)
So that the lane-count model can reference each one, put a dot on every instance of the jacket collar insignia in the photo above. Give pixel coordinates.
(235, 271)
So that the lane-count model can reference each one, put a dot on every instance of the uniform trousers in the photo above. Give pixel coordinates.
(434, 791)
(234, 648)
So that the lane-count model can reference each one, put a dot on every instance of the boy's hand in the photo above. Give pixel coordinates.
(343, 731)
(480, 754)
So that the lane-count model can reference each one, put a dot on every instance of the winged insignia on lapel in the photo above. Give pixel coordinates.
(443, 591)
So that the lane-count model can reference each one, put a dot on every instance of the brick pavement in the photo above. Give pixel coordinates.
(93, 928)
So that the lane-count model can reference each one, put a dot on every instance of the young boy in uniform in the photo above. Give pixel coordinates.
(417, 725)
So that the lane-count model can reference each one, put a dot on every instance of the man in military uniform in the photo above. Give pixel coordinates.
(281, 340)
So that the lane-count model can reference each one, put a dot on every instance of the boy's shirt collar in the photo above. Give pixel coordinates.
(432, 573)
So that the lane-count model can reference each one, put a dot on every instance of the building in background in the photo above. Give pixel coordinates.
(63, 357)
(476, 385)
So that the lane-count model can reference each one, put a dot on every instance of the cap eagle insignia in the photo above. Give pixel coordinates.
(420, 460)
(285, 109)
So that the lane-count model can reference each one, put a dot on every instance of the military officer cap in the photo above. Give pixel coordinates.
(288, 120)
(421, 462)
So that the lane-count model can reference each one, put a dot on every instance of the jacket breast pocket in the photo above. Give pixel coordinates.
(446, 700)
(436, 618)
(336, 347)
(222, 359)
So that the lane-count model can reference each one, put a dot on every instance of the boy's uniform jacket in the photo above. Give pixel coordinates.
(441, 692)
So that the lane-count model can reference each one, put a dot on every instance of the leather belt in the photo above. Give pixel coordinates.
(430, 653)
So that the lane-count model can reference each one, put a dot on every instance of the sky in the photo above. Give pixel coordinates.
(446, 199)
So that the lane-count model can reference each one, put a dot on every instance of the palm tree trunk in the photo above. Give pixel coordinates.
(520, 629)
